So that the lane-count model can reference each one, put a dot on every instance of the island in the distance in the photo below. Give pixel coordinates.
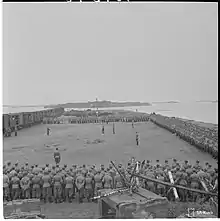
(99, 104)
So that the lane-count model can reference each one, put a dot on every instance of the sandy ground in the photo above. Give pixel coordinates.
(34, 146)
(71, 139)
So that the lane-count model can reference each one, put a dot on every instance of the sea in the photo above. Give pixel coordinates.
(199, 111)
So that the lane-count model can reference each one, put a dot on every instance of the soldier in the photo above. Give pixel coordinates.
(80, 182)
(57, 187)
(8, 166)
(148, 165)
(181, 180)
(26, 167)
(48, 131)
(137, 139)
(194, 184)
(69, 182)
(6, 190)
(89, 183)
(166, 165)
(15, 181)
(185, 164)
(157, 165)
(36, 188)
(25, 184)
(103, 130)
(206, 166)
(98, 182)
(149, 184)
(197, 166)
(189, 171)
(36, 169)
(132, 123)
(12, 172)
(107, 181)
(84, 169)
(113, 128)
(46, 182)
(160, 187)
(16, 166)
(118, 181)
(174, 164)
(57, 156)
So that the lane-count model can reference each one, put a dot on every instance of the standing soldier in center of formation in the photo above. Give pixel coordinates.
(137, 139)
(113, 128)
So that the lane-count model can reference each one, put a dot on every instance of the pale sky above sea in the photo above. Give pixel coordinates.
(69, 52)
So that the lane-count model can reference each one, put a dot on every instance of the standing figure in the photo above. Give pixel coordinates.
(16, 130)
(48, 131)
(137, 139)
(113, 128)
(132, 123)
(80, 183)
(57, 156)
(103, 130)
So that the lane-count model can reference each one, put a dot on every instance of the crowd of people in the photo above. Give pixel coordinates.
(204, 138)
(92, 119)
(56, 183)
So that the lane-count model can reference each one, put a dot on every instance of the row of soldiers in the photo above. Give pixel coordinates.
(63, 183)
(78, 120)
(204, 138)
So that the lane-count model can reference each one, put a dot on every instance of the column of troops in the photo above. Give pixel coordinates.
(204, 138)
(78, 183)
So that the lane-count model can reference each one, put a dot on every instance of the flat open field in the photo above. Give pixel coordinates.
(75, 144)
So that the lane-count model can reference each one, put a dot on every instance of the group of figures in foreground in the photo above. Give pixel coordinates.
(77, 183)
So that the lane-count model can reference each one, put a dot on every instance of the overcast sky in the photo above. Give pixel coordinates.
(56, 53)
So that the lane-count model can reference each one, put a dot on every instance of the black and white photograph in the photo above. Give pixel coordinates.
(109, 110)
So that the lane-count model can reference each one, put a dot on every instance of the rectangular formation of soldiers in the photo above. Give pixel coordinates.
(204, 138)
(62, 183)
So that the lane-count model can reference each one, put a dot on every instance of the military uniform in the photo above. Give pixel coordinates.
(107, 181)
(57, 187)
(89, 184)
(25, 186)
(6, 189)
(46, 182)
(15, 181)
(36, 186)
(80, 182)
(69, 182)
